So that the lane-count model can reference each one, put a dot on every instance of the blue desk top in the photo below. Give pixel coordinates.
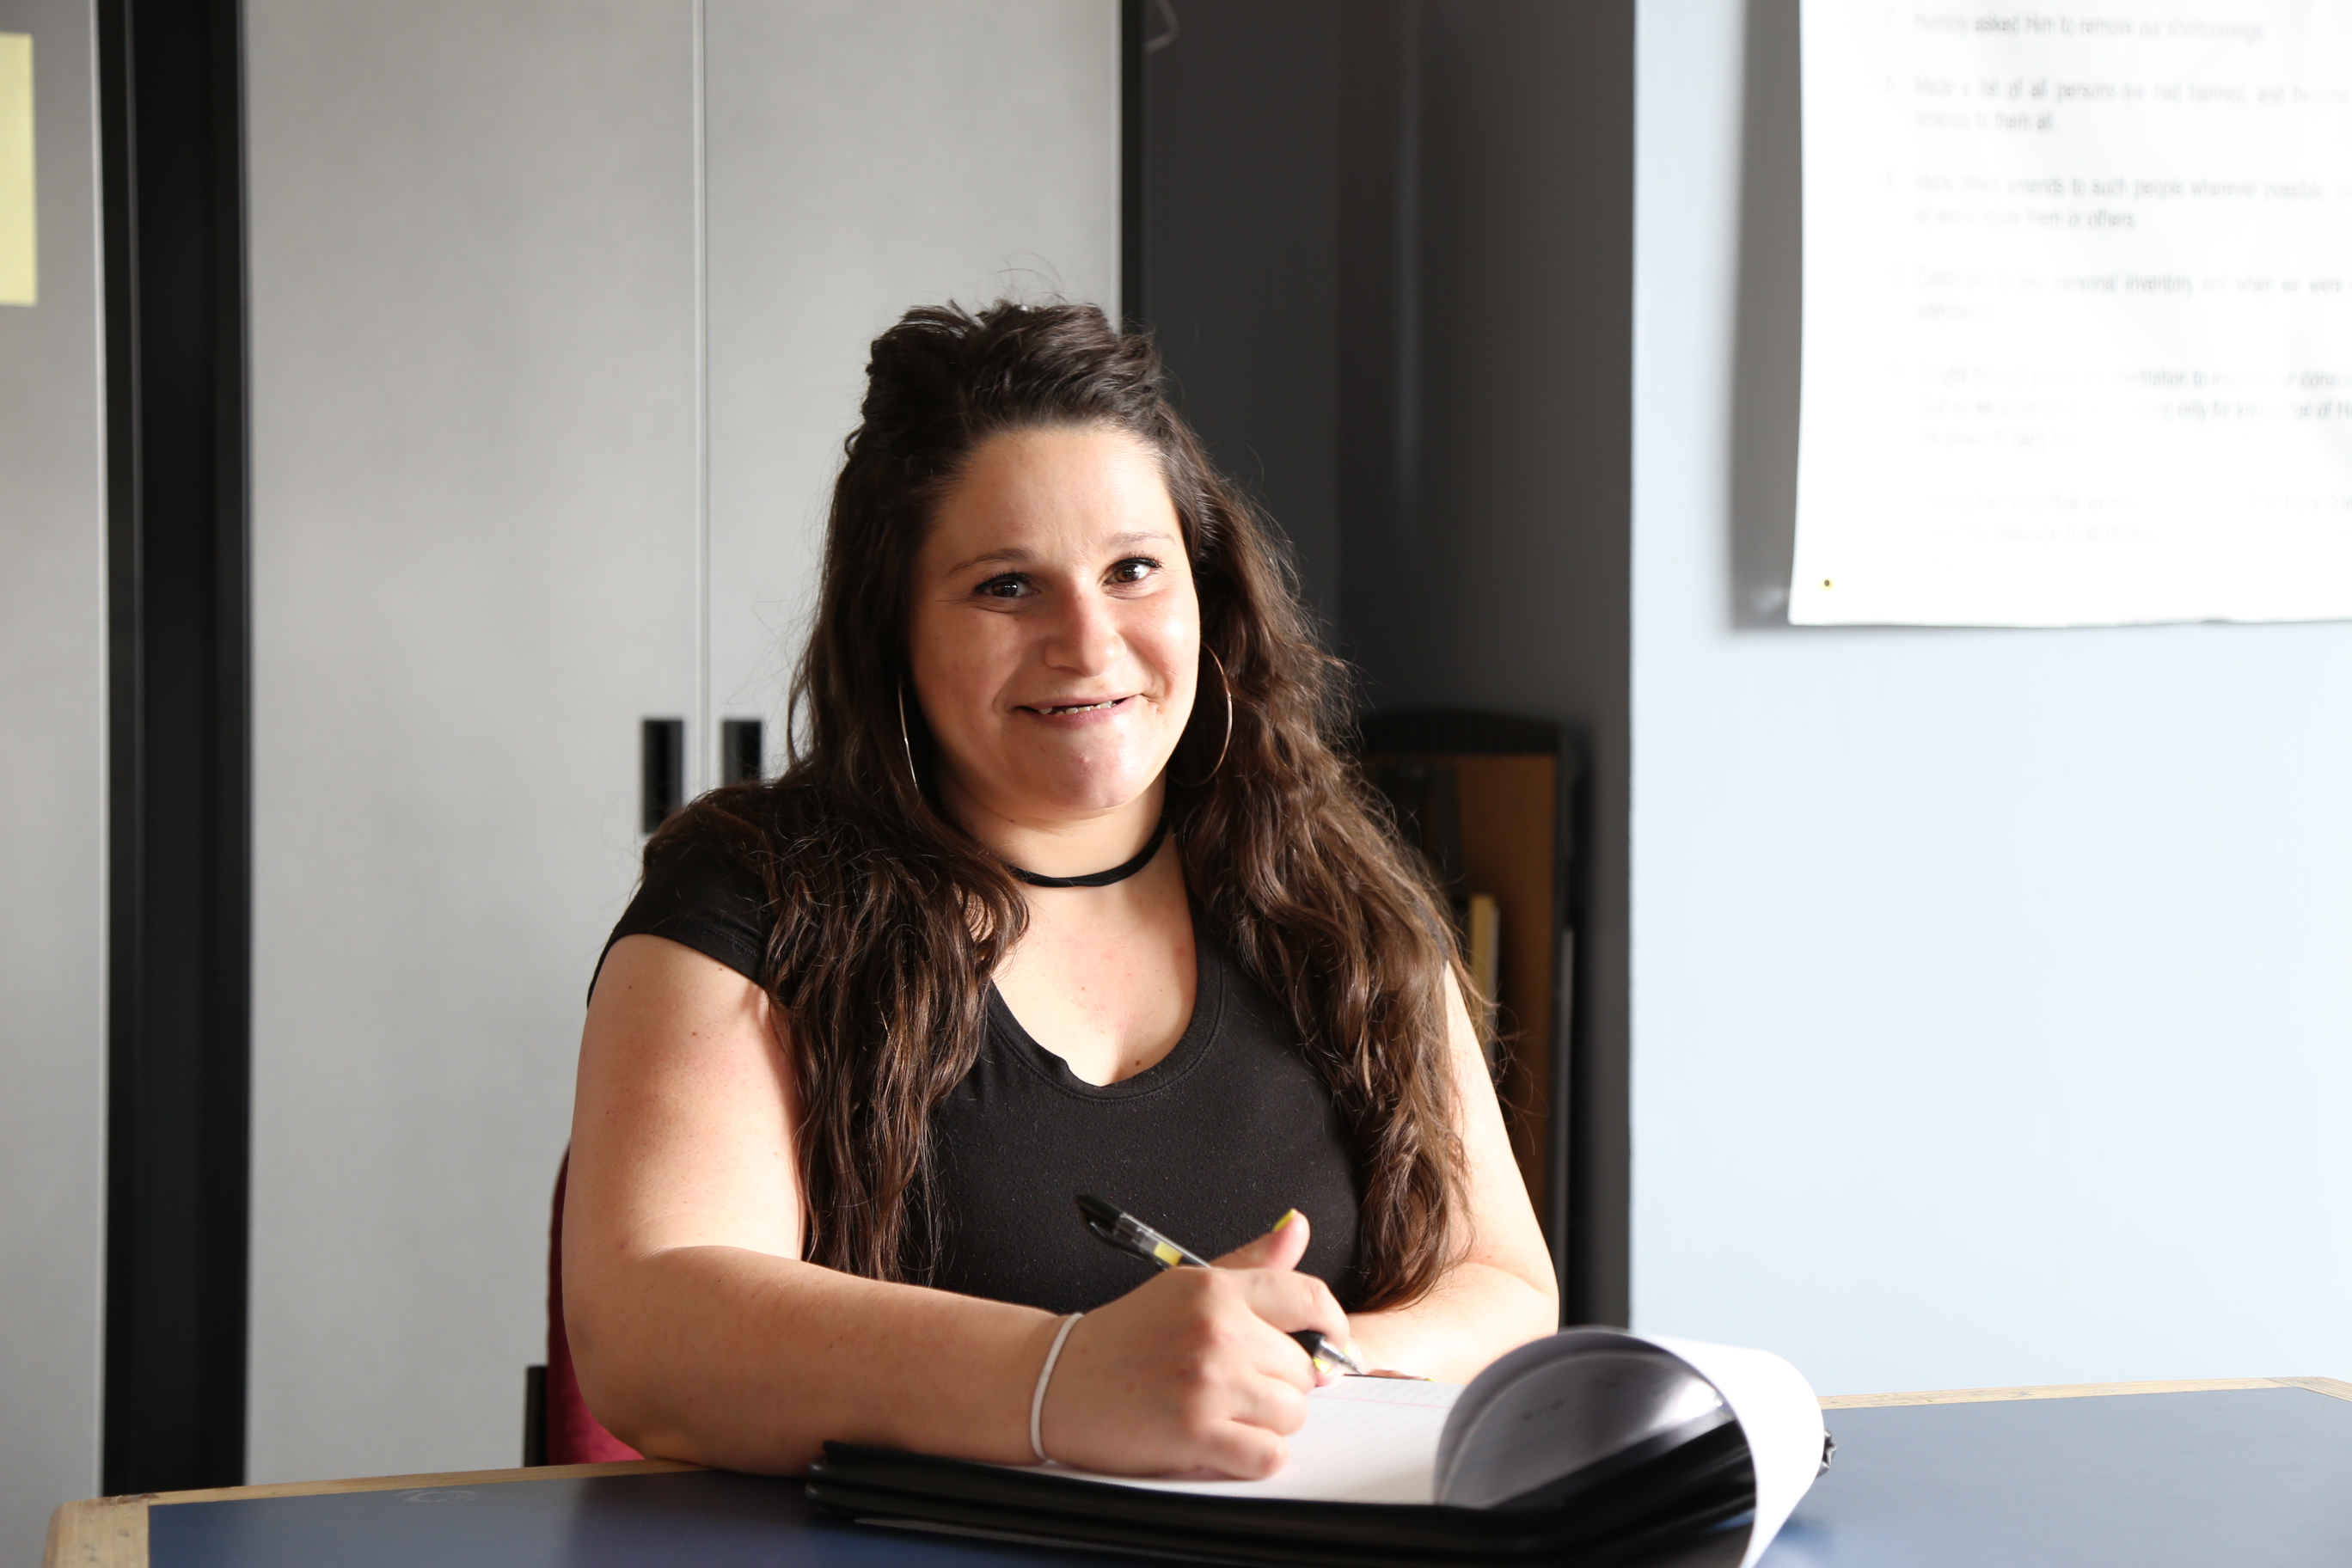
(2250, 1477)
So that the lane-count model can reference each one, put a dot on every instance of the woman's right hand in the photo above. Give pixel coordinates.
(1195, 1369)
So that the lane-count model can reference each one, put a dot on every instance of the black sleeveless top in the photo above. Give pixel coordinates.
(1209, 1146)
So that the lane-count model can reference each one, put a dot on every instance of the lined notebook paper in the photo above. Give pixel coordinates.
(1367, 1440)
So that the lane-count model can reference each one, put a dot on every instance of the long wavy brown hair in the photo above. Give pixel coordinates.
(891, 919)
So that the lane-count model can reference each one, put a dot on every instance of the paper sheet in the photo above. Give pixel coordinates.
(1367, 1440)
(1375, 1439)
(1780, 1417)
(18, 246)
(2077, 312)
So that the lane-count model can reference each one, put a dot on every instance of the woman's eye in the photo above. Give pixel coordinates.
(1012, 585)
(1134, 569)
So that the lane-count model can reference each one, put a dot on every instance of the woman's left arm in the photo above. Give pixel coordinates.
(1500, 1293)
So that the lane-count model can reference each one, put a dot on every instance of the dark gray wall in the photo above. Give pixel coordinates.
(1242, 244)
(1390, 262)
(1514, 592)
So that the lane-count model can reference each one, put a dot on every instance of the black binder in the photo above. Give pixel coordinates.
(1591, 1448)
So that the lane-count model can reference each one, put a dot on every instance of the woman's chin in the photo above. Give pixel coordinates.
(1090, 793)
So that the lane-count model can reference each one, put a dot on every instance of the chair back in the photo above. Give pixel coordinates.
(575, 1436)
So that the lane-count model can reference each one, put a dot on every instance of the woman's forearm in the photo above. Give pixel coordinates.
(740, 1359)
(1478, 1313)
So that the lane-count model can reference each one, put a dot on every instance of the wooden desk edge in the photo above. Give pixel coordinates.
(111, 1532)
(2334, 1387)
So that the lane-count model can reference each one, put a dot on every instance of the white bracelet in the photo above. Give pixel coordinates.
(1046, 1375)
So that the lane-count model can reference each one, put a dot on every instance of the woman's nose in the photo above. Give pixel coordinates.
(1084, 637)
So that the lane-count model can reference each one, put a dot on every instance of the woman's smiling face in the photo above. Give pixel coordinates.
(1055, 633)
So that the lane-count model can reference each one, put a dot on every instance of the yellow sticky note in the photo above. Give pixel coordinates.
(17, 249)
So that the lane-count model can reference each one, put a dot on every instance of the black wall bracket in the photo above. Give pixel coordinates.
(661, 758)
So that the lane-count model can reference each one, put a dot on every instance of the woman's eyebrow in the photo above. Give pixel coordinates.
(1008, 557)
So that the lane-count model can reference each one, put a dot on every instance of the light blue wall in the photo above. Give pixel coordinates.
(1993, 990)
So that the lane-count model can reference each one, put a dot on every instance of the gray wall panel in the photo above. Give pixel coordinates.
(52, 812)
(474, 542)
(866, 156)
(475, 274)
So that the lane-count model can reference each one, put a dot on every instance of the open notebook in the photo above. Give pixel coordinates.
(1367, 1440)
(1589, 1447)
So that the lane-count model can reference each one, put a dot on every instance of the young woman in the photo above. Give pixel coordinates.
(1067, 891)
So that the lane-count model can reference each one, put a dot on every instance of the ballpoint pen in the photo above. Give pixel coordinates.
(1128, 1234)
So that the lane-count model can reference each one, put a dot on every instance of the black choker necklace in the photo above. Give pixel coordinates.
(1100, 879)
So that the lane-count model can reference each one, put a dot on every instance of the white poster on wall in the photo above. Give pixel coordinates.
(2078, 313)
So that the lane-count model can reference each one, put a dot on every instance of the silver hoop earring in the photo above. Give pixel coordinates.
(905, 744)
(1226, 686)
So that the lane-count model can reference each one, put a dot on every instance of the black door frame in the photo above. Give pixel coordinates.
(180, 880)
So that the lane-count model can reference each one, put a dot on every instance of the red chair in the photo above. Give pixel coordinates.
(558, 1428)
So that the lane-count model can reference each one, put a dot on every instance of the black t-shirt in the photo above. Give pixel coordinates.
(1209, 1146)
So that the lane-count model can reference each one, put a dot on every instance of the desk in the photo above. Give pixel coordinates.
(2253, 1472)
